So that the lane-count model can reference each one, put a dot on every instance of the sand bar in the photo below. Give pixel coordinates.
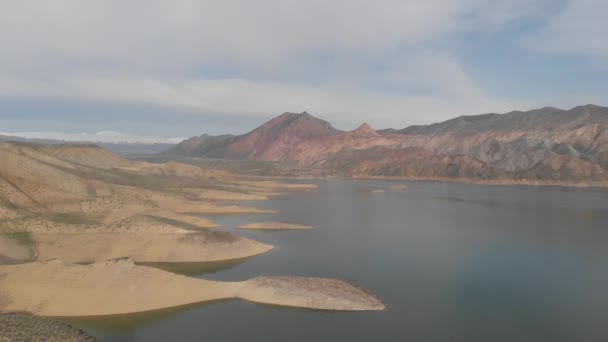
(399, 187)
(274, 226)
(56, 288)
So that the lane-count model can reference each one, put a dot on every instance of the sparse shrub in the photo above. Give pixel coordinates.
(25, 238)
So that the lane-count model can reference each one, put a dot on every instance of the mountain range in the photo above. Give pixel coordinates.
(547, 145)
(123, 148)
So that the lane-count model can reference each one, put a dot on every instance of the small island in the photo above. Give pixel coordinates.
(399, 187)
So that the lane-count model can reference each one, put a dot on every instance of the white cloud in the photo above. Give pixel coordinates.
(158, 53)
(99, 137)
(451, 93)
(178, 33)
(580, 29)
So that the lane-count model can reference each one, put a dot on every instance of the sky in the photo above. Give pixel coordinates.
(160, 70)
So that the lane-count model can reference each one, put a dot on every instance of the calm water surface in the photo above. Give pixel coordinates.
(453, 262)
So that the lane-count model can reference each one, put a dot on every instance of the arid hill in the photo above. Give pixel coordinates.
(277, 139)
(82, 203)
(121, 148)
(544, 146)
(71, 179)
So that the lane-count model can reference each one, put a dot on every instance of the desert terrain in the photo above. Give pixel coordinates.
(80, 228)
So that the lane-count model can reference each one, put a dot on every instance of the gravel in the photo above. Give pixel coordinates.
(20, 327)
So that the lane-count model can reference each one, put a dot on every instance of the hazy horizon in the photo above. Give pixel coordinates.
(110, 136)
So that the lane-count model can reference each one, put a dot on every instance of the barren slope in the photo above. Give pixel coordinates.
(81, 203)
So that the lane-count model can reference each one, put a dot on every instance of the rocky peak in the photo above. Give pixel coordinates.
(365, 129)
(294, 116)
(302, 124)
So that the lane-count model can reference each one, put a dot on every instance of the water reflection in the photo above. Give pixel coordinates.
(196, 268)
(127, 323)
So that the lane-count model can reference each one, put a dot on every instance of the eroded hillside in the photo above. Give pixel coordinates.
(545, 146)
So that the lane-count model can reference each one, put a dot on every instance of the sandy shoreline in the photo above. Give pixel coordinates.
(277, 185)
(488, 181)
(507, 182)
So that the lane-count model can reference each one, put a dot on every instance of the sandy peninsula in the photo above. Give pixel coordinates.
(204, 246)
(274, 226)
(113, 287)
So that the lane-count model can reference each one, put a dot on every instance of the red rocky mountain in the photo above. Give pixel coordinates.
(547, 145)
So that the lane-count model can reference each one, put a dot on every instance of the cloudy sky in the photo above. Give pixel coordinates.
(166, 69)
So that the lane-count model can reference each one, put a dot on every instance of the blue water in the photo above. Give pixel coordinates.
(453, 262)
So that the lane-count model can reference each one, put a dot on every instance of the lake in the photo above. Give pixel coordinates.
(453, 262)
